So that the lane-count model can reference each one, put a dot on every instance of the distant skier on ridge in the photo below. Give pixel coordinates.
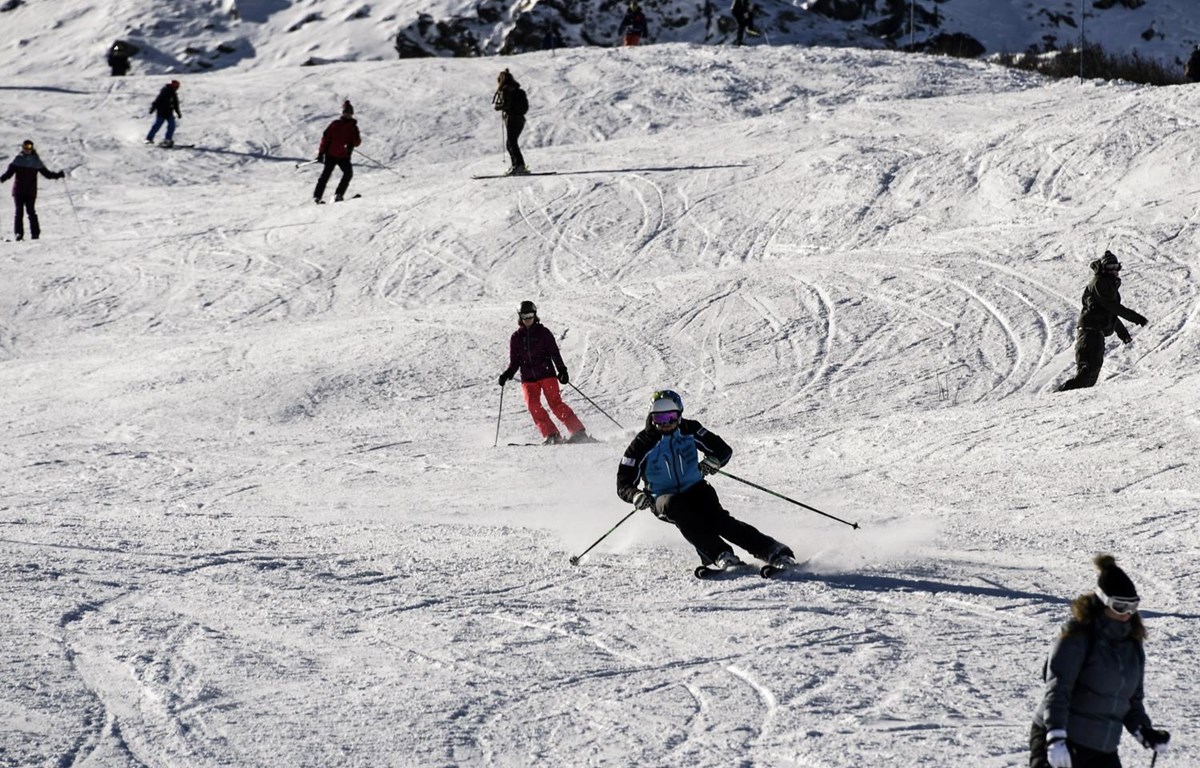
(743, 14)
(1100, 317)
(337, 145)
(26, 167)
(633, 25)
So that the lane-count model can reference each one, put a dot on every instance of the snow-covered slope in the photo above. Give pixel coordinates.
(251, 511)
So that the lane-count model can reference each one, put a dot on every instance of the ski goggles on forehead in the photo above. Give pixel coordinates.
(27, 145)
(665, 418)
(1124, 605)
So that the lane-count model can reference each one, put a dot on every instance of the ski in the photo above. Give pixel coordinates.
(344, 199)
(516, 175)
(176, 146)
(704, 572)
(770, 571)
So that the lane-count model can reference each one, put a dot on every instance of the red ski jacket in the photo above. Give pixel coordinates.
(340, 138)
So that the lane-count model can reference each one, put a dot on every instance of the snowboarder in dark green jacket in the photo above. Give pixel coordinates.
(1100, 317)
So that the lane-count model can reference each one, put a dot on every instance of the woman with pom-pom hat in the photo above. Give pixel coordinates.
(1094, 680)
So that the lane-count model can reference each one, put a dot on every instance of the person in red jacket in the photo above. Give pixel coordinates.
(533, 350)
(337, 143)
(26, 167)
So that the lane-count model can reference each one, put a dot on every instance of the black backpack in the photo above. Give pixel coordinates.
(517, 102)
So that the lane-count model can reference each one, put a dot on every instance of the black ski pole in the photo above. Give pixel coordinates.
(75, 213)
(785, 498)
(498, 412)
(576, 558)
(598, 408)
(381, 165)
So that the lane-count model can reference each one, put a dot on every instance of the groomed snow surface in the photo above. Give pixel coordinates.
(252, 514)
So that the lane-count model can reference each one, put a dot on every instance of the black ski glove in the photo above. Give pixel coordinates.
(642, 500)
(563, 378)
(709, 465)
(321, 158)
(60, 174)
(1151, 738)
(1139, 319)
(1123, 335)
(505, 377)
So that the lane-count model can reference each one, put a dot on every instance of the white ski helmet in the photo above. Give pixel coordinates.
(666, 400)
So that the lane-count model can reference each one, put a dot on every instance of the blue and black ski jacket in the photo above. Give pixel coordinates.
(668, 463)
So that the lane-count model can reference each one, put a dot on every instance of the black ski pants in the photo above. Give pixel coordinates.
(1089, 357)
(699, 516)
(513, 125)
(327, 171)
(1081, 756)
(25, 205)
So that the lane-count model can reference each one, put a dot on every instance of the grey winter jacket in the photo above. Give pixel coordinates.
(1091, 692)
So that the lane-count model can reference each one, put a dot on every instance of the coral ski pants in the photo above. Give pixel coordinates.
(533, 391)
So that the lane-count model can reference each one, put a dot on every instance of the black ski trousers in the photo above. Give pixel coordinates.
(25, 205)
(1081, 757)
(1089, 358)
(513, 125)
(327, 171)
(699, 516)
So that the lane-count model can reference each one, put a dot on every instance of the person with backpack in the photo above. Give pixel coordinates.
(633, 25)
(533, 351)
(1100, 317)
(512, 104)
(1094, 680)
(743, 14)
(337, 145)
(664, 456)
(26, 167)
(166, 110)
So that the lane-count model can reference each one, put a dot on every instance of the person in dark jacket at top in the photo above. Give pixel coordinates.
(166, 110)
(26, 167)
(665, 457)
(337, 145)
(1094, 680)
(533, 351)
(511, 101)
(633, 25)
(743, 13)
(1100, 317)
(1192, 70)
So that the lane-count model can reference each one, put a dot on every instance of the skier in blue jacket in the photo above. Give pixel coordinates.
(665, 456)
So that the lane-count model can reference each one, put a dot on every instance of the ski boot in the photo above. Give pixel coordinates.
(554, 439)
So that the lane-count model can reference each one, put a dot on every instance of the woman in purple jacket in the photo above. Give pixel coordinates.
(26, 167)
(533, 350)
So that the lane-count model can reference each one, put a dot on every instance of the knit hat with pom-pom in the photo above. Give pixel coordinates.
(347, 108)
(1113, 581)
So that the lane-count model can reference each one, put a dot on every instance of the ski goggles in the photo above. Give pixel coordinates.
(1123, 605)
(665, 418)
(27, 146)
(528, 315)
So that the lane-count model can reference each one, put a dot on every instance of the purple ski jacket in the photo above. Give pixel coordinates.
(535, 352)
(26, 168)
